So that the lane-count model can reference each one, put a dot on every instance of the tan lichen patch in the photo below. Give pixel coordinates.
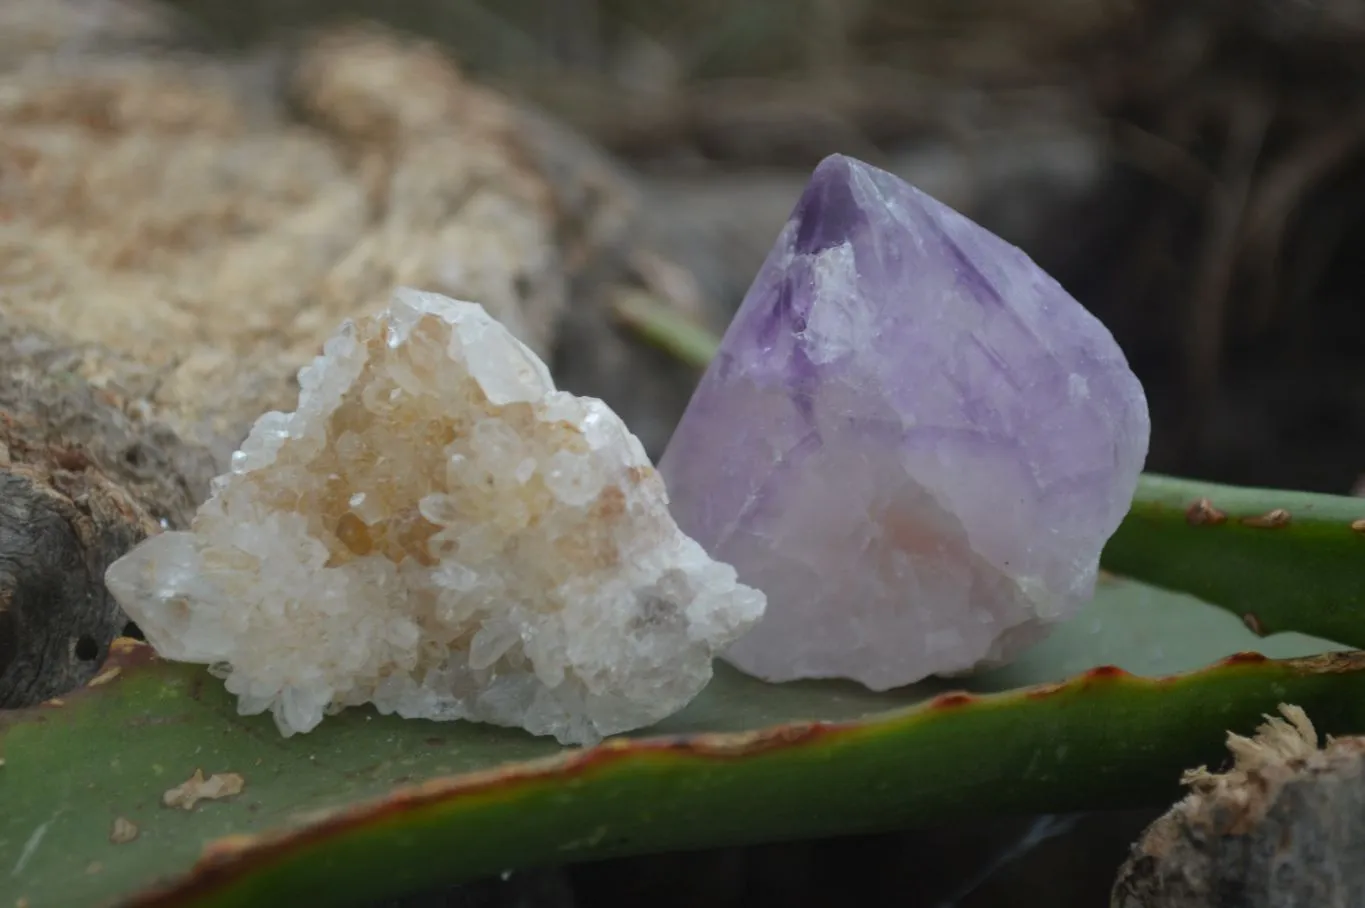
(197, 788)
(1277, 742)
(1282, 813)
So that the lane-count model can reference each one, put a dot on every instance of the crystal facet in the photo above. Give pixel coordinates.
(436, 530)
(912, 439)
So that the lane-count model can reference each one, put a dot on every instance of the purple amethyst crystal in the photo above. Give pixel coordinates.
(912, 439)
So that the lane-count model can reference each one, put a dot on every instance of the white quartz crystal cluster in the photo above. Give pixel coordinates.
(438, 531)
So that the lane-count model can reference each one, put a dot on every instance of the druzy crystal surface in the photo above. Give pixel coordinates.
(913, 440)
(436, 530)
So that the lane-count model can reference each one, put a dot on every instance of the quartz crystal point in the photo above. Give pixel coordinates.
(436, 530)
(912, 439)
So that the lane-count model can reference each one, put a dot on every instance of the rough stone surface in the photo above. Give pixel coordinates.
(200, 224)
(438, 531)
(913, 440)
(82, 480)
(1283, 827)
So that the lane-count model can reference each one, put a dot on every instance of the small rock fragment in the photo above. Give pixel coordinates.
(912, 439)
(197, 788)
(125, 830)
(436, 530)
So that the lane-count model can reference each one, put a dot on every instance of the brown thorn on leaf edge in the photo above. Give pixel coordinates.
(1203, 513)
(1271, 520)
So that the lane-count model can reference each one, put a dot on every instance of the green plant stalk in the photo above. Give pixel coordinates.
(1229, 546)
(894, 773)
(304, 832)
(1281, 561)
(666, 328)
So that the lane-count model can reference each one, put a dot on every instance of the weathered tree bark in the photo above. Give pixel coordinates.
(80, 483)
(1284, 828)
(59, 529)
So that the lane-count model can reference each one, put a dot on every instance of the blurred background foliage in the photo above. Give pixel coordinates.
(1190, 169)
(1193, 170)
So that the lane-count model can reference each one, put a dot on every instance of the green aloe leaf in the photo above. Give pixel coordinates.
(370, 806)
(1281, 561)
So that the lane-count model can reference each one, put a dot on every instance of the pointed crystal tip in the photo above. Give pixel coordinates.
(913, 439)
